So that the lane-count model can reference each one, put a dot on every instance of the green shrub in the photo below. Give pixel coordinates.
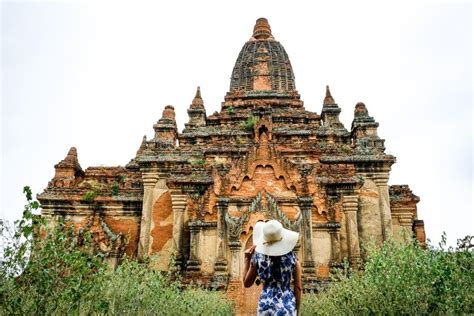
(115, 188)
(402, 279)
(61, 274)
(91, 194)
(135, 289)
(249, 123)
(197, 162)
(49, 275)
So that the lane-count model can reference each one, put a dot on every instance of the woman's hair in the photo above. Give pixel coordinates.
(275, 267)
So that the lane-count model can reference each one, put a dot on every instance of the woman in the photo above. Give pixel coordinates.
(272, 259)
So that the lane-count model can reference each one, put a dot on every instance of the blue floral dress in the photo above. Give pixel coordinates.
(277, 298)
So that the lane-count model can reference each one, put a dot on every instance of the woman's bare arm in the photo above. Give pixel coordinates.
(250, 272)
(298, 286)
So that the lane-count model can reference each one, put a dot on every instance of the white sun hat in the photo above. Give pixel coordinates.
(272, 239)
(257, 232)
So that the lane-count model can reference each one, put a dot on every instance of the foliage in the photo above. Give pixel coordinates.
(47, 275)
(249, 123)
(116, 185)
(16, 244)
(197, 162)
(55, 271)
(346, 148)
(230, 110)
(115, 188)
(91, 194)
(136, 289)
(402, 279)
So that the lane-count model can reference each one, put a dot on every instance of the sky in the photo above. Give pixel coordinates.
(97, 75)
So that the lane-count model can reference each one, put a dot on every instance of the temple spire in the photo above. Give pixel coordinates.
(330, 112)
(197, 101)
(364, 131)
(143, 145)
(328, 100)
(69, 167)
(166, 132)
(196, 112)
(70, 161)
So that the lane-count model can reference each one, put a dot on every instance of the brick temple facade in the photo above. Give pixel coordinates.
(195, 195)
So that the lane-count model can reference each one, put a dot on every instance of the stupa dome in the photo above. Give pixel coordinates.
(262, 64)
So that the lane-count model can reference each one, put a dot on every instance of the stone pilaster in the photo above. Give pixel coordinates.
(335, 232)
(221, 261)
(178, 204)
(235, 259)
(404, 216)
(149, 180)
(406, 223)
(381, 180)
(194, 261)
(306, 203)
(350, 206)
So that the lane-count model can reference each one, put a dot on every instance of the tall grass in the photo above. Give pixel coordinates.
(63, 275)
(403, 279)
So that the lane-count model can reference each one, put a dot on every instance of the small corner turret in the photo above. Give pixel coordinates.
(166, 131)
(197, 111)
(364, 130)
(68, 169)
(330, 112)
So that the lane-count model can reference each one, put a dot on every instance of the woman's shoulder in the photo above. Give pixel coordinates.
(257, 256)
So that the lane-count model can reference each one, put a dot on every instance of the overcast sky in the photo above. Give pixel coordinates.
(98, 75)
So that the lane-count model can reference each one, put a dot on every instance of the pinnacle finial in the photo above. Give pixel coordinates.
(262, 30)
(70, 161)
(197, 101)
(142, 145)
(72, 152)
(328, 100)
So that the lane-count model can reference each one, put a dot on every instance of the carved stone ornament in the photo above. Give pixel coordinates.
(271, 211)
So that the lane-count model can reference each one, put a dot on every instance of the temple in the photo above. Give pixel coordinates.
(195, 195)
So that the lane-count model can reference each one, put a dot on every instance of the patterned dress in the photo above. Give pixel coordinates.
(277, 297)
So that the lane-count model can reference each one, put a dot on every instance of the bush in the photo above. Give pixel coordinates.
(197, 162)
(249, 123)
(135, 289)
(115, 188)
(90, 195)
(230, 110)
(48, 275)
(61, 274)
(402, 279)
